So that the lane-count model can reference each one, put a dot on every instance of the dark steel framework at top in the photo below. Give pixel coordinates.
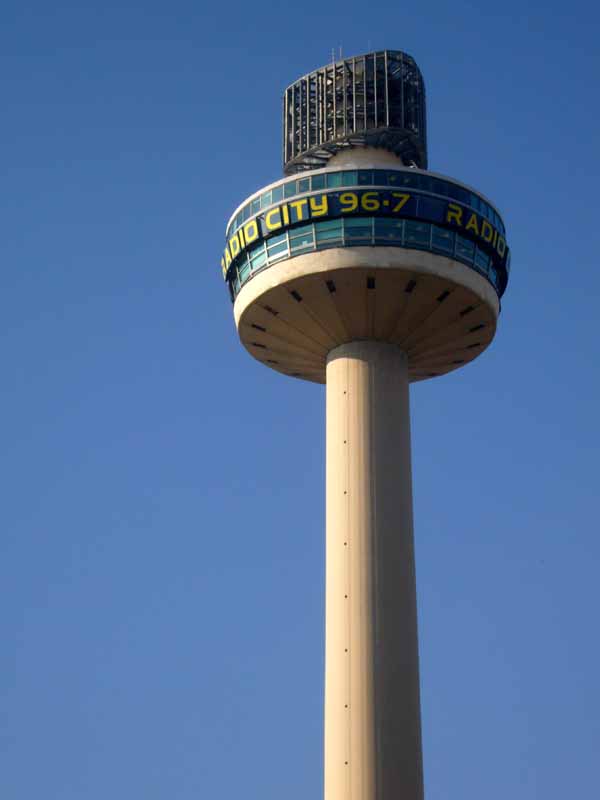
(376, 100)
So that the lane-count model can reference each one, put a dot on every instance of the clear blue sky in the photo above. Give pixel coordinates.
(161, 554)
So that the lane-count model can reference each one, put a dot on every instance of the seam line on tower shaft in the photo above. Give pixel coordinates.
(347, 666)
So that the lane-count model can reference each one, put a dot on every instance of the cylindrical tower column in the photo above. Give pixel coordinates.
(372, 709)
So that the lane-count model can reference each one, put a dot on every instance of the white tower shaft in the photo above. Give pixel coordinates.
(372, 708)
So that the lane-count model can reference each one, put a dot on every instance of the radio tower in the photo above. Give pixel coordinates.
(363, 270)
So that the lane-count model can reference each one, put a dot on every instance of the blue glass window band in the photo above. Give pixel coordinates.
(365, 231)
(408, 179)
(381, 202)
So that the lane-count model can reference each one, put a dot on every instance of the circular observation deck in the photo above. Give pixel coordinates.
(397, 255)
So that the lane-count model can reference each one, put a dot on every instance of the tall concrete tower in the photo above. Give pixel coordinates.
(363, 270)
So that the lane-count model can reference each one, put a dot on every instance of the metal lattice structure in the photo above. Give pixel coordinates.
(375, 100)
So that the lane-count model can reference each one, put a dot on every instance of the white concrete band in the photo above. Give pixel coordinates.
(372, 709)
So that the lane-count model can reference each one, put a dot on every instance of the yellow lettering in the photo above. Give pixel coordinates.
(495, 238)
(472, 224)
(454, 214)
(223, 268)
(234, 245)
(298, 205)
(348, 201)
(501, 246)
(285, 214)
(318, 209)
(269, 224)
(227, 258)
(487, 231)
(251, 231)
(404, 198)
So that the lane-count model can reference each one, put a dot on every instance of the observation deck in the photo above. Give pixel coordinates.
(360, 241)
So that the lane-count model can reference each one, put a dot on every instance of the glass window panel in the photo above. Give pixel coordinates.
(327, 231)
(334, 179)
(416, 234)
(258, 259)
(464, 248)
(443, 188)
(289, 189)
(255, 249)
(244, 271)
(365, 177)
(350, 178)
(408, 179)
(357, 222)
(381, 177)
(442, 239)
(388, 229)
(277, 240)
(303, 185)
(474, 202)
(460, 194)
(265, 199)
(432, 208)
(277, 194)
(424, 182)
(481, 260)
(329, 225)
(246, 212)
(318, 182)
(239, 219)
(438, 186)
(304, 242)
(295, 233)
(278, 251)
(255, 206)
(358, 229)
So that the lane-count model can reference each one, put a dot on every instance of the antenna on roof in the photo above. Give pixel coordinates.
(340, 52)
(332, 55)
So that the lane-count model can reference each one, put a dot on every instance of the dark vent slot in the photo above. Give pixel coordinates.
(296, 374)
(476, 328)
(432, 375)
(459, 361)
(271, 361)
(471, 346)
(443, 296)
(370, 283)
(467, 310)
(297, 297)
(271, 311)
(331, 286)
(410, 286)
(257, 344)
(259, 327)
